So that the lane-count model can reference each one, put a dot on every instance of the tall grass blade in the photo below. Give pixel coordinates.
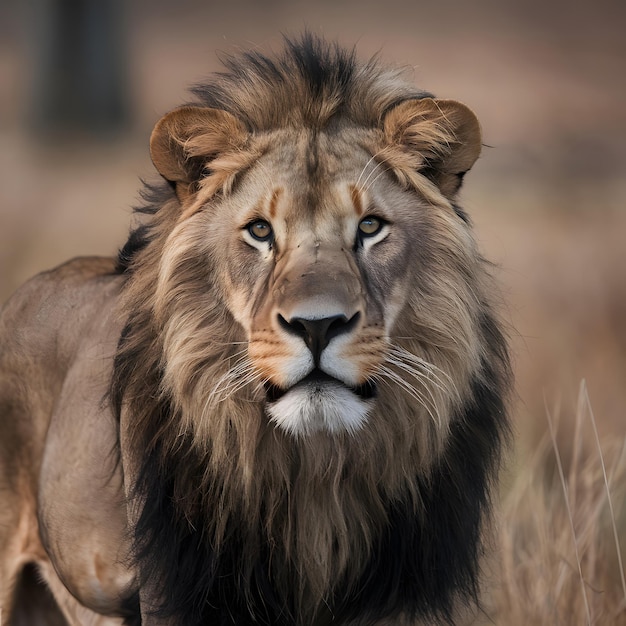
(559, 464)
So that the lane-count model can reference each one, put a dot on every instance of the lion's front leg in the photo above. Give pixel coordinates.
(74, 612)
(81, 501)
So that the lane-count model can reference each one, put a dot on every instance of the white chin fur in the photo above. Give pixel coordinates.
(310, 408)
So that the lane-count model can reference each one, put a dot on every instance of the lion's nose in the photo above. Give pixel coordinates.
(317, 333)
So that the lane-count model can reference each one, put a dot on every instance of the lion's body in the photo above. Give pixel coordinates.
(285, 404)
(61, 498)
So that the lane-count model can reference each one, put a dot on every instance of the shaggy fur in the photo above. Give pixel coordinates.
(239, 522)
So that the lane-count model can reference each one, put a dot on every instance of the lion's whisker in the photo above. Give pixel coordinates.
(412, 391)
(407, 357)
(424, 376)
(422, 380)
(372, 158)
(373, 181)
(449, 384)
(233, 380)
(234, 383)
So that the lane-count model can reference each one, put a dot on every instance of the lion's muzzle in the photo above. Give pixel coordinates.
(314, 324)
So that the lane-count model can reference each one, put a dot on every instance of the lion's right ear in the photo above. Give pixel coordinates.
(439, 138)
(185, 142)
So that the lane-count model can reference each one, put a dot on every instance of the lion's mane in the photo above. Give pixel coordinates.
(239, 522)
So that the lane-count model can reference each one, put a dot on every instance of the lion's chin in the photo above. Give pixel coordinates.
(321, 403)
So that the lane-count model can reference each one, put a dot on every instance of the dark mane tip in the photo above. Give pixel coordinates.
(309, 83)
(153, 196)
(322, 65)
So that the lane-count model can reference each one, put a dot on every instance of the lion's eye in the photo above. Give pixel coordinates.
(370, 226)
(260, 230)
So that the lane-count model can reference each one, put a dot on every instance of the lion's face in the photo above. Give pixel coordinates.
(316, 268)
(318, 246)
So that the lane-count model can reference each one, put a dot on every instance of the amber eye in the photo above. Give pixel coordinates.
(370, 226)
(260, 230)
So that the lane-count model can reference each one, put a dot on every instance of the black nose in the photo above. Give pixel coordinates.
(317, 333)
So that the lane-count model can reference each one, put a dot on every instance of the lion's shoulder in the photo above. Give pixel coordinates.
(57, 308)
(78, 271)
(66, 283)
(58, 322)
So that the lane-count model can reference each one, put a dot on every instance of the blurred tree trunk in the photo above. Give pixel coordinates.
(80, 79)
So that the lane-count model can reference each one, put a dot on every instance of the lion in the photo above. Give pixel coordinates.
(285, 403)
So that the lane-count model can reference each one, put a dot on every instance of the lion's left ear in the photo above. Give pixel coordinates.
(185, 143)
(441, 139)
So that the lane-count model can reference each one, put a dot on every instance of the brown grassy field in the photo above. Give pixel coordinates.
(559, 557)
(548, 198)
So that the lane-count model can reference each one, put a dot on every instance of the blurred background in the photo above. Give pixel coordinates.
(82, 82)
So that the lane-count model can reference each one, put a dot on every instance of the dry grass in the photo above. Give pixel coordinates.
(558, 560)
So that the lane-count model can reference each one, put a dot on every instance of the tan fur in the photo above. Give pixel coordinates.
(204, 305)
(56, 469)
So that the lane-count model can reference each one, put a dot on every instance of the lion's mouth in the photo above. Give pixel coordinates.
(318, 380)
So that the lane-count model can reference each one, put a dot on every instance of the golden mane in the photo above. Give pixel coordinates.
(384, 522)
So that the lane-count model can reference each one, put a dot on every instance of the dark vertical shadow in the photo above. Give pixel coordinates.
(79, 74)
(34, 604)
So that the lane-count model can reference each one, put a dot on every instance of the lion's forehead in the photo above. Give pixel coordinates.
(314, 191)
(307, 179)
(326, 213)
